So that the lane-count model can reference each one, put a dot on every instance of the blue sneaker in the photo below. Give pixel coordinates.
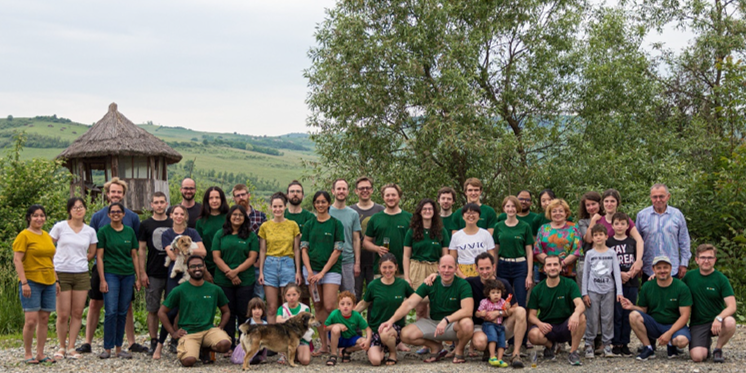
(647, 353)
(673, 351)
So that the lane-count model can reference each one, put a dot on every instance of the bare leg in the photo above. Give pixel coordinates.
(578, 333)
(272, 295)
(41, 334)
(76, 315)
(64, 300)
(638, 326)
(31, 320)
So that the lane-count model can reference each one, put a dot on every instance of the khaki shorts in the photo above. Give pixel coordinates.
(468, 270)
(190, 344)
(428, 326)
(418, 271)
(74, 281)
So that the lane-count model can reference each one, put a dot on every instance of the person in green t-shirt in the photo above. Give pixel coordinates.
(446, 199)
(425, 242)
(514, 242)
(321, 246)
(524, 213)
(713, 308)
(386, 230)
(300, 216)
(556, 312)
(196, 301)
(487, 215)
(235, 249)
(211, 219)
(450, 314)
(343, 324)
(382, 298)
(662, 311)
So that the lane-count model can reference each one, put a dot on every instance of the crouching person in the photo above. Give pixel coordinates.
(197, 300)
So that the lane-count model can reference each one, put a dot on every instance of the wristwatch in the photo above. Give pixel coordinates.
(719, 319)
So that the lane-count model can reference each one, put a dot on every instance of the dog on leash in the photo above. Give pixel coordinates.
(283, 337)
(183, 247)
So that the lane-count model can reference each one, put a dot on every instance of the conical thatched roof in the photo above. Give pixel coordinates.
(114, 134)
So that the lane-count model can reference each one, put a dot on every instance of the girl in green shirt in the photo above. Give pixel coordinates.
(211, 219)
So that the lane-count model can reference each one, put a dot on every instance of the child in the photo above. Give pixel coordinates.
(601, 278)
(290, 308)
(343, 324)
(492, 325)
(257, 312)
(626, 252)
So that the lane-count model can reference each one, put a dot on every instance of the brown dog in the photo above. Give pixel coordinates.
(283, 337)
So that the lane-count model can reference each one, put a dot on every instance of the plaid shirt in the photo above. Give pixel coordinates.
(256, 218)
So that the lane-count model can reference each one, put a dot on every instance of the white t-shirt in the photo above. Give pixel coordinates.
(468, 247)
(286, 314)
(72, 248)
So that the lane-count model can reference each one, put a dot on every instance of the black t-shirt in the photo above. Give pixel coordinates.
(477, 290)
(151, 231)
(626, 253)
(193, 214)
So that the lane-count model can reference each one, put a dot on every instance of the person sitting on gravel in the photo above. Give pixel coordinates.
(197, 300)
(450, 314)
(662, 310)
(713, 308)
(556, 312)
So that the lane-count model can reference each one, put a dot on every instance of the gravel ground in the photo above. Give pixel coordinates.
(735, 354)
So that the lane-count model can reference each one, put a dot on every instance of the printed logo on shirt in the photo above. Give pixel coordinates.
(327, 234)
(127, 241)
(673, 300)
(561, 297)
(400, 226)
(242, 242)
(207, 297)
(452, 299)
(708, 288)
(471, 246)
(398, 297)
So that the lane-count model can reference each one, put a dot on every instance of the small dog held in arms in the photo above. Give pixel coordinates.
(183, 247)
(283, 337)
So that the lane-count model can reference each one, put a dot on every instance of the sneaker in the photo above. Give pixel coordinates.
(616, 350)
(517, 362)
(589, 353)
(173, 345)
(124, 355)
(423, 351)
(549, 353)
(647, 353)
(509, 350)
(136, 347)
(717, 356)
(673, 351)
(153, 346)
(494, 362)
(625, 351)
(85, 348)
(524, 353)
(502, 364)
(609, 352)
(574, 358)
(104, 355)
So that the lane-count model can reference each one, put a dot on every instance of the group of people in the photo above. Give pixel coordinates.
(497, 283)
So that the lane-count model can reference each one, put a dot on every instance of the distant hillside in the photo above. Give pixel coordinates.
(268, 162)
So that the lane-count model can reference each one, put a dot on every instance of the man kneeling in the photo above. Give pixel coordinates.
(450, 314)
(197, 301)
(560, 312)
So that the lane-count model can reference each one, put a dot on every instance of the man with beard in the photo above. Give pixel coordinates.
(386, 230)
(556, 312)
(241, 196)
(115, 190)
(197, 301)
(366, 208)
(487, 215)
(351, 223)
(525, 214)
(662, 311)
(294, 211)
(188, 189)
(446, 198)
(153, 276)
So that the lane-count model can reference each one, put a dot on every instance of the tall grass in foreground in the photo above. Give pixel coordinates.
(11, 314)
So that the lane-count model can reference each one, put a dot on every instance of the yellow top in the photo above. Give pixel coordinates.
(38, 252)
(279, 237)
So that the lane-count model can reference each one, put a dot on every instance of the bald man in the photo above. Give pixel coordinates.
(450, 315)
(188, 190)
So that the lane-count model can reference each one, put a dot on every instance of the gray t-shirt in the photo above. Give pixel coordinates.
(601, 273)
(367, 258)
(351, 223)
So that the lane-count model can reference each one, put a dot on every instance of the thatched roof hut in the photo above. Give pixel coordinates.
(116, 147)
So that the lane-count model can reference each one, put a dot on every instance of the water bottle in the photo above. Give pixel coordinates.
(534, 360)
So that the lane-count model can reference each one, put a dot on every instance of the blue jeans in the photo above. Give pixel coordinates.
(515, 273)
(116, 303)
(495, 333)
(622, 328)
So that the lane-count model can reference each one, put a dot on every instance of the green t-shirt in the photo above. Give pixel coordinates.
(487, 218)
(663, 303)
(118, 248)
(206, 228)
(513, 240)
(353, 323)
(529, 219)
(321, 239)
(555, 304)
(385, 300)
(196, 304)
(392, 226)
(449, 224)
(708, 295)
(300, 218)
(445, 300)
(428, 249)
(234, 251)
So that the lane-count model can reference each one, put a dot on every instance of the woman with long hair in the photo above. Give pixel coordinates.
(211, 220)
(589, 212)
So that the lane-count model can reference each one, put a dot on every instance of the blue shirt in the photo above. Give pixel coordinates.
(664, 234)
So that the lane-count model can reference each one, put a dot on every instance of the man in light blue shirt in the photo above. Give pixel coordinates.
(351, 222)
(663, 228)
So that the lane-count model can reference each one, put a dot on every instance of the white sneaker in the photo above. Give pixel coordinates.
(589, 354)
(608, 352)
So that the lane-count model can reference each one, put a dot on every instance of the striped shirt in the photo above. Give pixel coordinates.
(664, 235)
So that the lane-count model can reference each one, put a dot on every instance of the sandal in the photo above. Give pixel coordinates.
(318, 353)
(458, 359)
(60, 354)
(282, 360)
(332, 361)
(436, 356)
(47, 359)
(31, 361)
(346, 356)
(391, 361)
(72, 354)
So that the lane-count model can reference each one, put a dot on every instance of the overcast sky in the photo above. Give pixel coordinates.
(217, 65)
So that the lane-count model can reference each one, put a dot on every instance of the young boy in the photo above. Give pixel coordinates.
(626, 253)
(601, 280)
(493, 326)
(342, 324)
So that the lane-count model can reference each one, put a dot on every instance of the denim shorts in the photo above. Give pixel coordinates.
(495, 333)
(655, 329)
(279, 271)
(329, 278)
(43, 297)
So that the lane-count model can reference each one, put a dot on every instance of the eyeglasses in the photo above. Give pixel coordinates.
(188, 188)
(364, 189)
(427, 209)
(707, 258)
(196, 266)
(115, 212)
(524, 199)
(471, 213)
(657, 197)
(78, 208)
(240, 195)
